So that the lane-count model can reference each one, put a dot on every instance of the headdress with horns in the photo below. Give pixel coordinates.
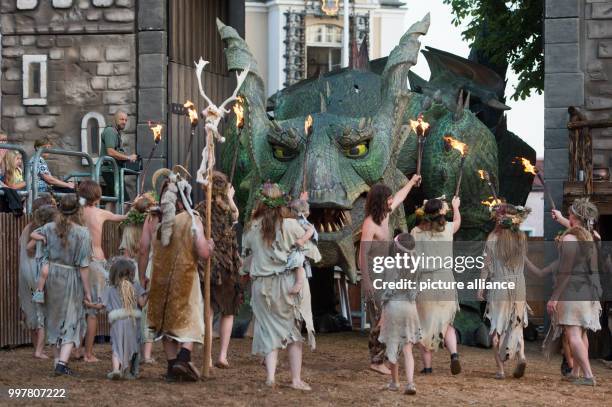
(177, 186)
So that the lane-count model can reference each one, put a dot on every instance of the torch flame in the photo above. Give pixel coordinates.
(527, 166)
(239, 112)
(483, 174)
(157, 129)
(457, 145)
(419, 126)
(491, 202)
(191, 112)
(308, 125)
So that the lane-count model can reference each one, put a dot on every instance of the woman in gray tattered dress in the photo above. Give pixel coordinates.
(66, 254)
(34, 319)
(279, 315)
(507, 309)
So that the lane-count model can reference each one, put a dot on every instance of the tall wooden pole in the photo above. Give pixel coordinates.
(207, 311)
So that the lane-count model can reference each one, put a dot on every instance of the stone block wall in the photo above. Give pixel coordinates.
(597, 48)
(91, 51)
(563, 87)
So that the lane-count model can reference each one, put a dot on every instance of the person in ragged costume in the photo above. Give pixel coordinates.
(574, 304)
(226, 290)
(175, 310)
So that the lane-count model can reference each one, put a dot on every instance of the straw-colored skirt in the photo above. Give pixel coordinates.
(437, 309)
(279, 316)
(584, 314)
(400, 326)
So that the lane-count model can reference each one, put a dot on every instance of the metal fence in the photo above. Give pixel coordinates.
(12, 332)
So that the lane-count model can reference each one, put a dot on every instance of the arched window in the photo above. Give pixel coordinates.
(93, 132)
(92, 126)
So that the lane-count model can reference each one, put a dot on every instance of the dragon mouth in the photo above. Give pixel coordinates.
(330, 220)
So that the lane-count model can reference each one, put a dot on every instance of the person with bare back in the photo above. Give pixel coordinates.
(94, 218)
(380, 203)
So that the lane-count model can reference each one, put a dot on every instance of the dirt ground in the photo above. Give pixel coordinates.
(337, 371)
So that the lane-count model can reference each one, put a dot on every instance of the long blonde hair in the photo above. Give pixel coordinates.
(9, 162)
(121, 276)
(511, 242)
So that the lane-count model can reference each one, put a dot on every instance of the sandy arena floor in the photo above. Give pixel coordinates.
(337, 372)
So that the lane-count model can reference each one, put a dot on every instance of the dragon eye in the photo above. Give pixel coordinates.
(357, 151)
(283, 153)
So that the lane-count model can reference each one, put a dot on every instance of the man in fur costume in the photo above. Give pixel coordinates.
(177, 239)
(225, 279)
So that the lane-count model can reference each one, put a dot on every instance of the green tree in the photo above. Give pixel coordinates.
(506, 34)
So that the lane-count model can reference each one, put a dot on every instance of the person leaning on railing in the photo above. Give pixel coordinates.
(112, 147)
(44, 179)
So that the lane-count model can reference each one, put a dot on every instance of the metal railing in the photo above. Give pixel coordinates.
(31, 174)
(36, 162)
(117, 184)
(26, 172)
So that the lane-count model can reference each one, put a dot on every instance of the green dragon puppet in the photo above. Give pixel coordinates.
(360, 134)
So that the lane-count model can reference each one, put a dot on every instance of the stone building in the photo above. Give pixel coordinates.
(578, 72)
(69, 65)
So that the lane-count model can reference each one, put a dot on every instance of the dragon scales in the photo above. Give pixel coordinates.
(360, 135)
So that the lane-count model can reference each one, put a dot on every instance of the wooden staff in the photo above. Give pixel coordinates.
(458, 186)
(207, 272)
(546, 191)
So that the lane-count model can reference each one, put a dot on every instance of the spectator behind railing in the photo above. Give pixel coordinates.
(12, 164)
(44, 179)
(112, 147)
(3, 140)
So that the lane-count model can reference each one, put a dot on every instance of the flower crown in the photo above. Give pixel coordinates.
(268, 201)
(510, 221)
(134, 218)
(420, 212)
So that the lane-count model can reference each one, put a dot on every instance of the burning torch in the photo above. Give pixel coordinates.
(484, 175)
(420, 128)
(532, 169)
(156, 129)
(307, 132)
(192, 113)
(463, 149)
(238, 109)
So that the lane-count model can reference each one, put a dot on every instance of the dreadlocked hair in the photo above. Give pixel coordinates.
(271, 216)
(70, 212)
(121, 277)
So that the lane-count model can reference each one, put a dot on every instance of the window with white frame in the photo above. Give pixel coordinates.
(92, 126)
(34, 78)
(323, 49)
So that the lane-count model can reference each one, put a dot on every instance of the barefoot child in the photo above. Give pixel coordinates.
(45, 214)
(507, 310)
(94, 218)
(296, 260)
(400, 328)
(130, 247)
(123, 300)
